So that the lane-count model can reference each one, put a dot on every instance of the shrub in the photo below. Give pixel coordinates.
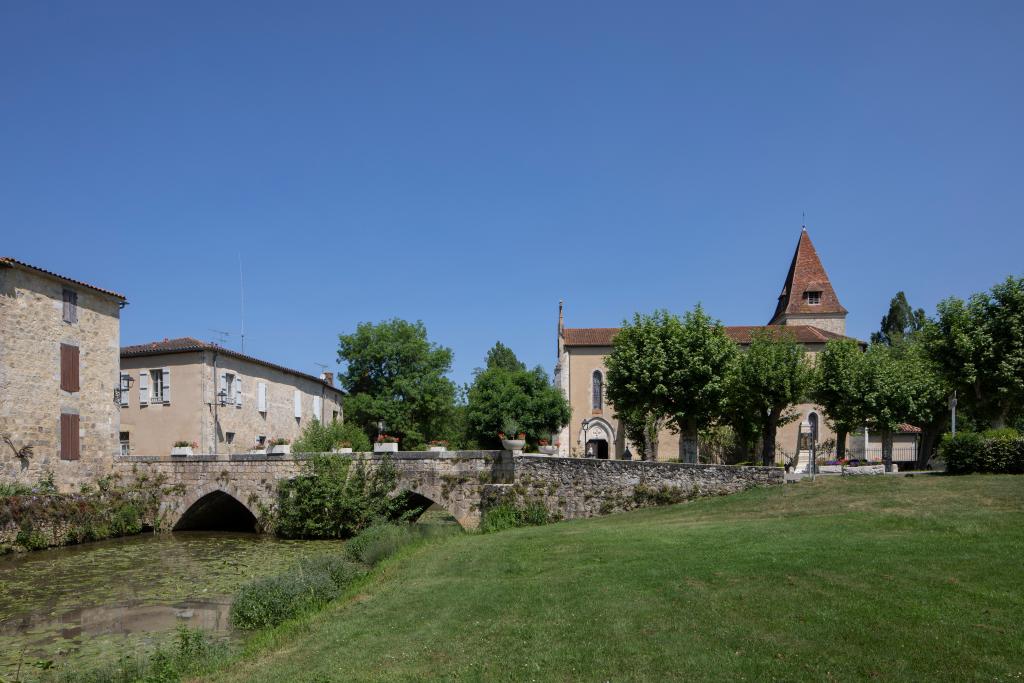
(997, 451)
(509, 516)
(271, 600)
(335, 497)
(323, 438)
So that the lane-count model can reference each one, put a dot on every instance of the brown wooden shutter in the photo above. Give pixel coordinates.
(70, 448)
(69, 373)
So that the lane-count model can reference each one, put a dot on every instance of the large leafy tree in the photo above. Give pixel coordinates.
(900, 322)
(505, 391)
(898, 385)
(836, 387)
(392, 372)
(979, 347)
(771, 375)
(671, 371)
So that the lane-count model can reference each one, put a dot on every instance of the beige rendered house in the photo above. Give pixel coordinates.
(222, 400)
(58, 376)
(808, 307)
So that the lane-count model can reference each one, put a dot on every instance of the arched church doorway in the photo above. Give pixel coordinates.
(597, 448)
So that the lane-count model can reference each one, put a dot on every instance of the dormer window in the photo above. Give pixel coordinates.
(812, 298)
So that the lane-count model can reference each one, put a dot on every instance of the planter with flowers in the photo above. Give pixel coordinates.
(279, 447)
(438, 445)
(547, 449)
(512, 437)
(344, 447)
(183, 448)
(386, 444)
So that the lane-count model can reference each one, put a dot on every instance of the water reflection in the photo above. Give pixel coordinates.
(80, 600)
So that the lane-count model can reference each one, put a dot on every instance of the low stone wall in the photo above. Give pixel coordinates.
(572, 488)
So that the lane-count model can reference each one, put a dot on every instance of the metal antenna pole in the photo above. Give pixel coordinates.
(241, 282)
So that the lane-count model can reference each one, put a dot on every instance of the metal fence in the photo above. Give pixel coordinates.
(899, 453)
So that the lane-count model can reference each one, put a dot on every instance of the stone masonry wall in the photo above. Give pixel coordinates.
(572, 488)
(31, 400)
(465, 483)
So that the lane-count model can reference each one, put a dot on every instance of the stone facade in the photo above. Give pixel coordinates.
(462, 482)
(260, 400)
(31, 399)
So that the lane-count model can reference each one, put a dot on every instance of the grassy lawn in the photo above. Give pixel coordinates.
(878, 578)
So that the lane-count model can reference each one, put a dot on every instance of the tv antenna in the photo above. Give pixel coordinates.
(222, 336)
(241, 283)
(323, 367)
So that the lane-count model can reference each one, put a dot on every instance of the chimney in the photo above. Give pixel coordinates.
(327, 377)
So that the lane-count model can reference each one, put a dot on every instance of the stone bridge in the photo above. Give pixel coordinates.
(234, 491)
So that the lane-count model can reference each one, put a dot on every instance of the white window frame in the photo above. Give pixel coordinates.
(156, 385)
(813, 297)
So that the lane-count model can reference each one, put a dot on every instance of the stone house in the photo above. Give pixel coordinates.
(58, 375)
(807, 307)
(222, 400)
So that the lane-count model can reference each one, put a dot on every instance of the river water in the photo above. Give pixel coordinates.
(99, 601)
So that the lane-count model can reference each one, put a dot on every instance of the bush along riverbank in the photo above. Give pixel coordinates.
(37, 517)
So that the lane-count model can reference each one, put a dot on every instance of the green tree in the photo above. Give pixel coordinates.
(771, 375)
(900, 322)
(836, 387)
(501, 356)
(899, 385)
(506, 391)
(318, 437)
(671, 371)
(395, 374)
(979, 347)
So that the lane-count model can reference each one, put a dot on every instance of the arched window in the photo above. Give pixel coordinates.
(598, 390)
(812, 420)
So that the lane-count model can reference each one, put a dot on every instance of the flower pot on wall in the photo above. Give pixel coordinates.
(181, 451)
(283, 449)
(548, 450)
(437, 449)
(513, 444)
(343, 449)
(385, 447)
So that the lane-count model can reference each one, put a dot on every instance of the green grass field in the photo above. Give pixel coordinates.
(916, 578)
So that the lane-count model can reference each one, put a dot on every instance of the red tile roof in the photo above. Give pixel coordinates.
(806, 274)
(741, 334)
(907, 429)
(8, 262)
(187, 344)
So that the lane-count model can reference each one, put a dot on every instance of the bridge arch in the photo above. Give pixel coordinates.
(216, 506)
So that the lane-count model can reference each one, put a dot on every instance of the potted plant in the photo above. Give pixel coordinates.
(182, 448)
(386, 443)
(344, 447)
(439, 445)
(512, 438)
(279, 447)
(545, 448)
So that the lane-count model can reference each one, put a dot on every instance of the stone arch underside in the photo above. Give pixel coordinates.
(213, 508)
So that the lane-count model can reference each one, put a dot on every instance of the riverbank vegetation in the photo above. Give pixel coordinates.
(32, 518)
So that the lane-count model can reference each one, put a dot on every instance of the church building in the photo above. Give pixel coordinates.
(807, 306)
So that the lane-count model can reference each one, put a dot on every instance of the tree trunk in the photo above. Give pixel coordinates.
(689, 442)
(887, 449)
(841, 434)
(768, 432)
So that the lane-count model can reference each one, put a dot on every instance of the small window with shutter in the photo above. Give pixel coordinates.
(143, 387)
(125, 386)
(70, 447)
(297, 400)
(70, 306)
(69, 368)
(318, 408)
(238, 391)
(156, 390)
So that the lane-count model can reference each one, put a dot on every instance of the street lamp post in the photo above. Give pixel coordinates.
(952, 408)
(585, 424)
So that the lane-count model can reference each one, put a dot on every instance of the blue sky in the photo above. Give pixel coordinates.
(469, 164)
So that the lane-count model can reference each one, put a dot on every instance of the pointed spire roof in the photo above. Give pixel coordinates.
(806, 274)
